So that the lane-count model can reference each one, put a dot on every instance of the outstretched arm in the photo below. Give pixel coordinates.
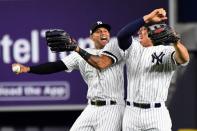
(46, 68)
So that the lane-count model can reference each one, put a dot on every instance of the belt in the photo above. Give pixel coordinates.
(102, 102)
(144, 105)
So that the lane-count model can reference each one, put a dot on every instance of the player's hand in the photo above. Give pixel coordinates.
(19, 68)
(156, 15)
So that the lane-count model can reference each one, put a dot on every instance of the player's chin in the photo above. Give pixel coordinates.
(104, 42)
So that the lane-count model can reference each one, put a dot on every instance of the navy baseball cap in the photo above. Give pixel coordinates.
(99, 24)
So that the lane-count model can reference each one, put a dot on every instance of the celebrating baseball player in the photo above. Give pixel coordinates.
(151, 61)
(105, 89)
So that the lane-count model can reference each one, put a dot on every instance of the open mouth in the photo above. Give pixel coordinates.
(104, 38)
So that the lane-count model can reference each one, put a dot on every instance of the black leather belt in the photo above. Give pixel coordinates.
(143, 105)
(102, 102)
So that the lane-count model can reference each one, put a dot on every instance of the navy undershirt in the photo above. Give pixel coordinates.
(124, 35)
(48, 68)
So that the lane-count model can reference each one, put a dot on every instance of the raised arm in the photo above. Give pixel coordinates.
(124, 35)
(181, 53)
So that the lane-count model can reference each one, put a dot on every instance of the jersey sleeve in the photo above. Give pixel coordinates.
(71, 61)
(174, 60)
(113, 51)
(170, 57)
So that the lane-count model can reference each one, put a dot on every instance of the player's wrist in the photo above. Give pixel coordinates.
(146, 18)
(84, 54)
(176, 43)
(77, 49)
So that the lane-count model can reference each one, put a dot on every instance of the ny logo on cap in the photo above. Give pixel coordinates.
(99, 22)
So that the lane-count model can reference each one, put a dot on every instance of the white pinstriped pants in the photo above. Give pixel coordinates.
(152, 119)
(100, 118)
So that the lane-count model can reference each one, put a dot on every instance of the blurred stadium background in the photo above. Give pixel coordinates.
(53, 102)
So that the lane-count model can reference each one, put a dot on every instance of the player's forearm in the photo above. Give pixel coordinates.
(181, 54)
(48, 68)
(99, 62)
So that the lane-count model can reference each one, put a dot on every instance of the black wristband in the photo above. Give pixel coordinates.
(84, 54)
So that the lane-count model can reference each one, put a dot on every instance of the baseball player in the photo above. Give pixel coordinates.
(105, 95)
(150, 63)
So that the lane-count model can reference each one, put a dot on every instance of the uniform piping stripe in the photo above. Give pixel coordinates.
(116, 59)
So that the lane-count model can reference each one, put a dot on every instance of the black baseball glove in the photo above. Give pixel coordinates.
(162, 34)
(58, 40)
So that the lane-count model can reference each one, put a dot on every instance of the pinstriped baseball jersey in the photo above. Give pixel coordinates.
(150, 72)
(102, 84)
